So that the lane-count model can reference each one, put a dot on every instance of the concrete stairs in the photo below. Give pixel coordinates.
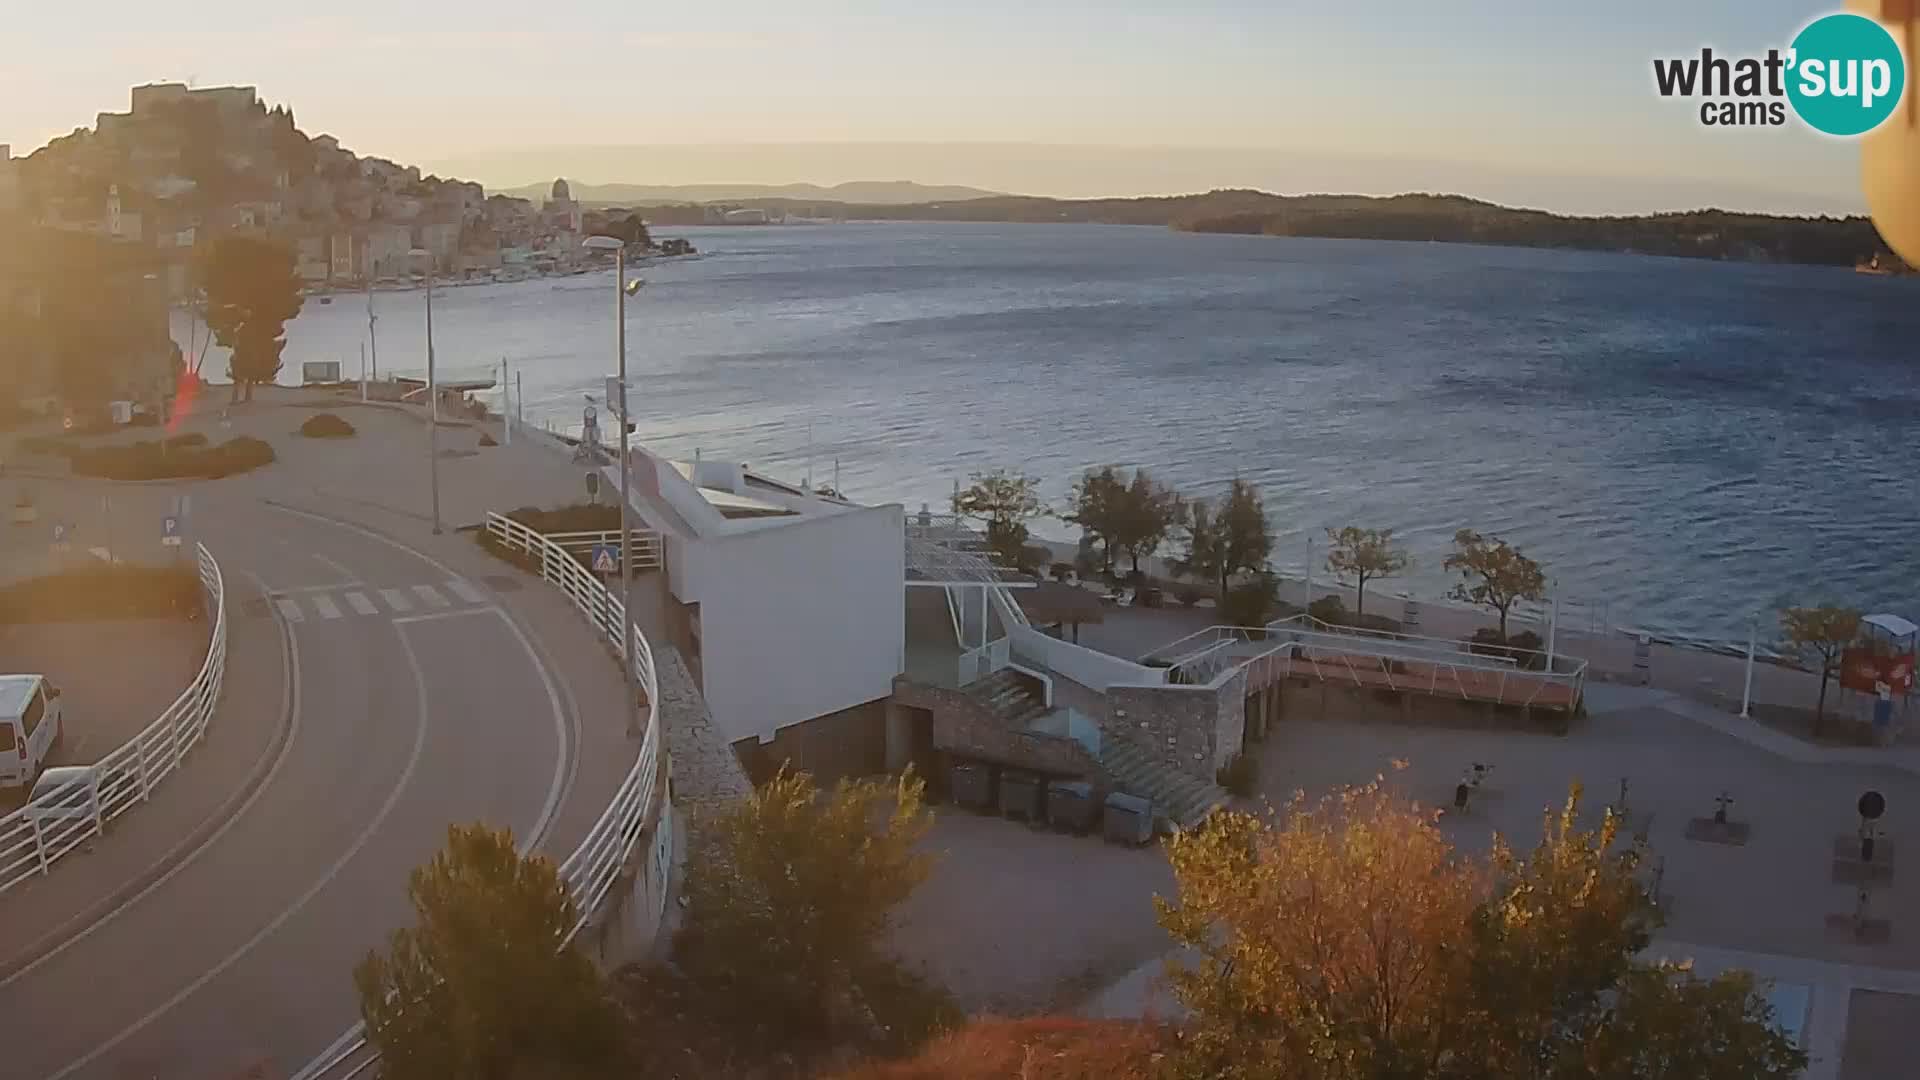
(1185, 800)
(1010, 697)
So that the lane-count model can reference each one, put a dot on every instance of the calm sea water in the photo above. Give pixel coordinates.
(1683, 442)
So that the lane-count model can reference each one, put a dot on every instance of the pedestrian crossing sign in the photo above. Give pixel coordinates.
(604, 559)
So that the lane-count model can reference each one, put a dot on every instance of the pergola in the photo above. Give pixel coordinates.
(943, 553)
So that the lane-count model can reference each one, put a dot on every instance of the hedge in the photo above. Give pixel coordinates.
(118, 591)
(182, 457)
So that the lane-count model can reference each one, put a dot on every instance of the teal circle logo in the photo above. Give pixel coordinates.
(1846, 74)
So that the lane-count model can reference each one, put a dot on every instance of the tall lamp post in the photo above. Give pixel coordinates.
(433, 396)
(622, 289)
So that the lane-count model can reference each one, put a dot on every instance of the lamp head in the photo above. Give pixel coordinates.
(633, 287)
(603, 243)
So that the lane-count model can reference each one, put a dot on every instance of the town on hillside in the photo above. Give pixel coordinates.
(186, 162)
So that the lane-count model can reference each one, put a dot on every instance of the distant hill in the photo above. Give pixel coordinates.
(866, 192)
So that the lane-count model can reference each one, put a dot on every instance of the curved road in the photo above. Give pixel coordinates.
(415, 702)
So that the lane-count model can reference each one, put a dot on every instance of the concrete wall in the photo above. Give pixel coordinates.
(799, 621)
(963, 727)
(1195, 729)
(1094, 670)
(1348, 704)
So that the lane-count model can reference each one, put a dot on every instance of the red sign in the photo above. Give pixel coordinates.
(1867, 671)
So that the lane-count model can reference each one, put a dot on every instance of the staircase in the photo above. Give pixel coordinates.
(1186, 800)
(1010, 697)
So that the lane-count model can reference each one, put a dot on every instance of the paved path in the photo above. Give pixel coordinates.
(427, 684)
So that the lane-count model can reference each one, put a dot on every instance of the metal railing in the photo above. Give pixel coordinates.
(1399, 662)
(978, 663)
(55, 825)
(644, 543)
(592, 871)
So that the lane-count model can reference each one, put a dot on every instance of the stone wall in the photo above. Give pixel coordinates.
(964, 727)
(703, 767)
(1195, 729)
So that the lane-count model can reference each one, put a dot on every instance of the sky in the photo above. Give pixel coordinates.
(1545, 103)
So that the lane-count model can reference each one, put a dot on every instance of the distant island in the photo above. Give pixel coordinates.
(1702, 234)
(867, 192)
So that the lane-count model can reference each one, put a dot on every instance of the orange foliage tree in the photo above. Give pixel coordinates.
(1348, 940)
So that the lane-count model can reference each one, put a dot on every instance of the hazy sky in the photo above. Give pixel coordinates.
(1539, 102)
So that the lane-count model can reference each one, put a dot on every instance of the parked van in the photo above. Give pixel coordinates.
(29, 727)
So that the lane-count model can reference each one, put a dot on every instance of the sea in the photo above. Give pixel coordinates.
(1685, 445)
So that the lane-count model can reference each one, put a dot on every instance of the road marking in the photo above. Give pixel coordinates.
(361, 605)
(379, 819)
(289, 608)
(432, 616)
(324, 604)
(396, 599)
(318, 588)
(465, 591)
(431, 595)
(331, 565)
(290, 656)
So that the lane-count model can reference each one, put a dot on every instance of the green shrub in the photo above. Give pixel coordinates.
(579, 517)
(487, 439)
(1189, 596)
(326, 425)
(1250, 605)
(1487, 641)
(1330, 610)
(177, 458)
(1240, 775)
(1060, 570)
(1527, 650)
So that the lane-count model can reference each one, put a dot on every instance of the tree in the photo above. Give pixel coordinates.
(1006, 501)
(631, 229)
(1235, 539)
(485, 985)
(1363, 555)
(1494, 573)
(1092, 504)
(252, 291)
(1348, 940)
(1146, 511)
(1320, 937)
(789, 900)
(1819, 636)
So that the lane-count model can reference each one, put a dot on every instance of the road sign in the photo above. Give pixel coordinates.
(606, 559)
(170, 531)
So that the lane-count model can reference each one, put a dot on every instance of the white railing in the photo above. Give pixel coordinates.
(43, 831)
(977, 664)
(592, 871)
(1435, 666)
(644, 543)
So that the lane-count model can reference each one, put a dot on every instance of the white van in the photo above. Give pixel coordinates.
(29, 727)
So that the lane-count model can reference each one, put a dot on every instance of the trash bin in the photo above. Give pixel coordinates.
(972, 785)
(1129, 819)
(1071, 806)
(1020, 795)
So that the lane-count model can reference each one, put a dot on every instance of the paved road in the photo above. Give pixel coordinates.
(418, 702)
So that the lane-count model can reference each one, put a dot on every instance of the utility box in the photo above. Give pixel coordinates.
(1021, 795)
(972, 785)
(1071, 806)
(1129, 819)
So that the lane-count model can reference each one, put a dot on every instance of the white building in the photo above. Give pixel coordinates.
(790, 606)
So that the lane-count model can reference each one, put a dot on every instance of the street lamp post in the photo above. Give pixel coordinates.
(621, 290)
(433, 397)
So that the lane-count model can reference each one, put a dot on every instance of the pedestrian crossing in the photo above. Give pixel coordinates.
(326, 605)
